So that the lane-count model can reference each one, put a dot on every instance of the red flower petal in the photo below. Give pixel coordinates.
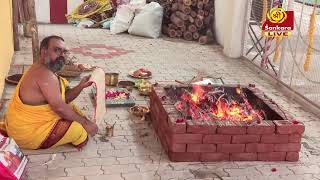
(180, 120)
(295, 122)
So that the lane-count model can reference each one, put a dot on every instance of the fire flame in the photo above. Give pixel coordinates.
(197, 93)
(217, 105)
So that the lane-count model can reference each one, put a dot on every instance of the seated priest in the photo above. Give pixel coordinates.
(40, 114)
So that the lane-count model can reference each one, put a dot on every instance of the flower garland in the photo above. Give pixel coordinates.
(277, 52)
(309, 54)
(264, 12)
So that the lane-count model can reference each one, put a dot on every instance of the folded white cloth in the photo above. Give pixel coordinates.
(98, 79)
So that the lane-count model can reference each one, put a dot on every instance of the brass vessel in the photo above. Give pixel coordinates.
(111, 79)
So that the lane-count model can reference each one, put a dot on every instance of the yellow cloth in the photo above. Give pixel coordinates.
(104, 5)
(30, 125)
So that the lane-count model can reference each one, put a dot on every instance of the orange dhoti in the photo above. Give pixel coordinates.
(38, 127)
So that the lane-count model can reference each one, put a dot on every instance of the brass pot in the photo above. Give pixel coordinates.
(145, 91)
(140, 111)
(109, 130)
(112, 79)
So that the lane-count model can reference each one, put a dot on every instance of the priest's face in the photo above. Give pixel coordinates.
(56, 54)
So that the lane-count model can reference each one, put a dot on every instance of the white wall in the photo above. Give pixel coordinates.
(42, 10)
(230, 25)
(72, 4)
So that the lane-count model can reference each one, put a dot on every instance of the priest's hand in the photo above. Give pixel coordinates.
(85, 82)
(90, 127)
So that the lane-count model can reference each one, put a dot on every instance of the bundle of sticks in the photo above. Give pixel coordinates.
(188, 19)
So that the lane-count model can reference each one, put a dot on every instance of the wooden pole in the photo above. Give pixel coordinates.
(35, 44)
(34, 29)
(25, 4)
(15, 19)
(21, 11)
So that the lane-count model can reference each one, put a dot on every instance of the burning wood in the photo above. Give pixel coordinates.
(213, 103)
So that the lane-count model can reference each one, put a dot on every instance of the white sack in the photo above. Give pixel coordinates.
(138, 3)
(122, 20)
(148, 21)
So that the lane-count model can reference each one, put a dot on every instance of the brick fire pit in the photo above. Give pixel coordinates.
(277, 138)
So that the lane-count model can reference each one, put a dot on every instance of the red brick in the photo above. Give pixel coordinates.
(177, 147)
(152, 96)
(225, 148)
(258, 147)
(201, 127)
(288, 127)
(162, 115)
(163, 112)
(290, 147)
(176, 128)
(163, 140)
(231, 127)
(184, 156)
(272, 156)
(244, 156)
(243, 139)
(207, 157)
(217, 139)
(274, 138)
(265, 127)
(167, 142)
(201, 148)
(163, 122)
(186, 138)
(295, 138)
(154, 107)
(153, 118)
(292, 156)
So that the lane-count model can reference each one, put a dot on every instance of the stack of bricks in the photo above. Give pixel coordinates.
(184, 141)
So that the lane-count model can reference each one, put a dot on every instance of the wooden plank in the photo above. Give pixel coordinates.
(21, 11)
(25, 4)
(34, 29)
(15, 19)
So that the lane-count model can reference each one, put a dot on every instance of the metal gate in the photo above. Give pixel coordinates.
(287, 58)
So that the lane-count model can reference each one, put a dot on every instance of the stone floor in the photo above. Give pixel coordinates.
(135, 152)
